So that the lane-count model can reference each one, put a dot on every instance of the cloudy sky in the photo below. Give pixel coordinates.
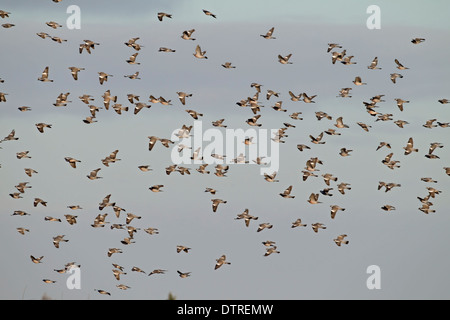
(408, 245)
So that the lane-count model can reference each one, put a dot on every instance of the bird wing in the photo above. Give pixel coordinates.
(45, 73)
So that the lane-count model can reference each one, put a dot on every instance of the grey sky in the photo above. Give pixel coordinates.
(407, 244)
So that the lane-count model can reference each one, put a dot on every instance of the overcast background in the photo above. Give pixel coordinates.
(410, 247)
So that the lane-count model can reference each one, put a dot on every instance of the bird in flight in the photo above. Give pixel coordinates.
(263, 226)
(340, 240)
(246, 216)
(270, 177)
(410, 147)
(228, 65)
(4, 14)
(162, 15)
(268, 34)
(209, 13)
(36, 260)
(358, 81)
(374, 64)
(221, 261)
(199, 54)
(187, 34)
(335, 209)
(318, 225)
(399, 65)
(182, 248)
(157, 188)
(101, 291)
(132, 59)
(183, 274)
(271, 250)
(287, 193)
(331, 46)
(216, 202)
(74, 71)
(400, 103)
(417, 40)
(44, 76)
(72, 161)
(58, 239)
(93, 174)
(298, 223)
(40, 126)
(103, 77)
(313, 198)
(284, 59)
(394, 77)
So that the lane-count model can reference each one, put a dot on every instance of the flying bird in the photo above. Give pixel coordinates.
(388, 207)
(358, 81)
(263, 226)
(270, 177)
(40, 126)
(29, 172)
(58, 239)
(182, 96)
(373, 65)
(287, 193)
(298, 223)
(72, 161)
(216, 202)
(394, 76)
(399, 65)
(133, 76)
(221, 261)
(53, 24)
(162, 15)
(102, 77)
(340, 240)
(93, 174)
(194, 114)
(199, 54)
(157, 188)
(44, 76)
(183, 274)
(284, 59)
(132, 59)
(316, 226)
(331, 46)
(410, 147)
(181, 248)
(340, 123)
(335, 209)
(271, 250)
(187, 34)
(268, 34)
(313, 198)
(400, 103)
(103, 292)
(164, 49)
(4, 14)
(417, 40)
(228, 65)
(343, 186)
(208, 13)
(36, 260)
(74, 71)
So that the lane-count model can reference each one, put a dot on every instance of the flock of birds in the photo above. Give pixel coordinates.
(252, 102)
